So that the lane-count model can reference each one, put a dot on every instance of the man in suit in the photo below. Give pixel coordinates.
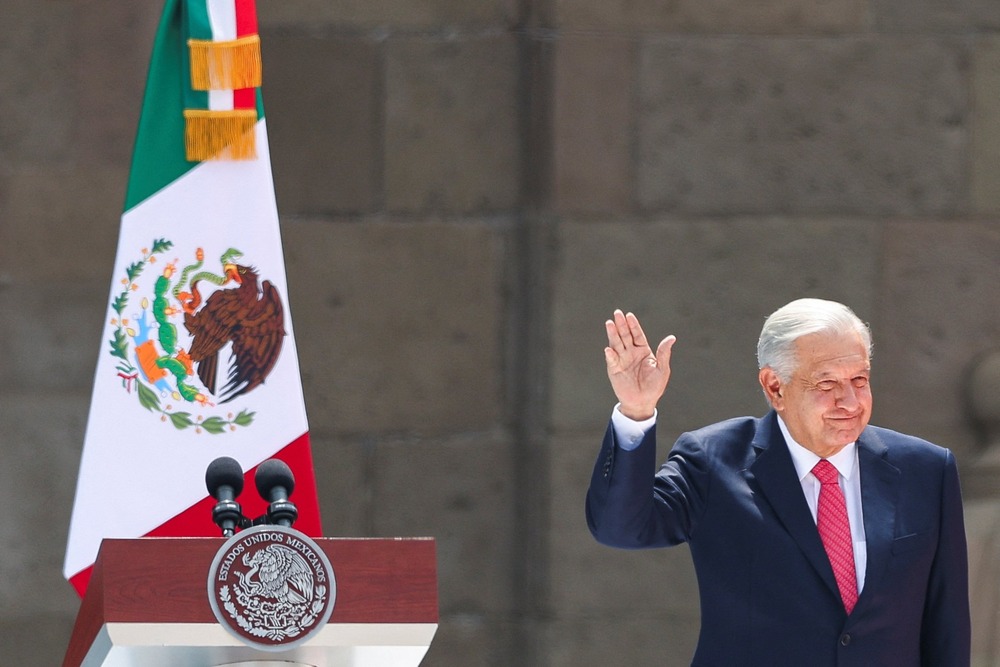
(818, 540)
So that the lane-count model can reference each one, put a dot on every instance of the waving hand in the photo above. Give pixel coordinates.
(638, 376)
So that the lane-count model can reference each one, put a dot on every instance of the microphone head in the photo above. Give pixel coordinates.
(272, 473)
(224, 471)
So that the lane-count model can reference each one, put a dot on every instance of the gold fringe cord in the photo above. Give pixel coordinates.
(220, 135)
(225, 65)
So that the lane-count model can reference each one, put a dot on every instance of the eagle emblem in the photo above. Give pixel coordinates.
(250, 316)
(173, 349)
(277, 573)
(272, 587)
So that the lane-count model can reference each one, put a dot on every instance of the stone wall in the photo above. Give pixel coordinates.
(467, 189)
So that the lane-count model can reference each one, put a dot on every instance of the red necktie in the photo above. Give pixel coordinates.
(835, 531)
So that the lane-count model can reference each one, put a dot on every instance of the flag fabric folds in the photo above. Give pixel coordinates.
(197, 358)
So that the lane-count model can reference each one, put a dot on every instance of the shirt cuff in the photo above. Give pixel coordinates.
(628, 432)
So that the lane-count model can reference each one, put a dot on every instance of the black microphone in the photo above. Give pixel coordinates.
(275, 482)
(224, 479)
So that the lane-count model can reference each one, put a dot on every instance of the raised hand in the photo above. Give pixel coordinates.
(638, 376)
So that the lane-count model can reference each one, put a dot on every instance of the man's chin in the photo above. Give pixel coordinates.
(849, 433)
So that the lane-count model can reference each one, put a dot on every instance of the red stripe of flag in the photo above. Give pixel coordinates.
(196, 521)
(246, 24)
(246, 18)
(245, 98)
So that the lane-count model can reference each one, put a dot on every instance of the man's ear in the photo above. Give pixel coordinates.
(771, 384)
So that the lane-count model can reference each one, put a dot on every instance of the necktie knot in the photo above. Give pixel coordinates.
(825, 472)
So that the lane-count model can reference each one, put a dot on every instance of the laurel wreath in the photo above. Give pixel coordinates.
(120, 348)
(276, 635)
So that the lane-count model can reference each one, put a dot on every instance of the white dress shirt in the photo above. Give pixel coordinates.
(846, 463)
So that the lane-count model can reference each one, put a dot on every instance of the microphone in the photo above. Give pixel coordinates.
(224, 479)
(275, 482)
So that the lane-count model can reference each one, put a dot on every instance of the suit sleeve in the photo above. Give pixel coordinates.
(632, 506)
(946, 634)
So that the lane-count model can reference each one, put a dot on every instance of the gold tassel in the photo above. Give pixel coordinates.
(225, 65)
(220, 135)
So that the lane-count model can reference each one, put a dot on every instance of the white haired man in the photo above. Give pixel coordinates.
(817, 539)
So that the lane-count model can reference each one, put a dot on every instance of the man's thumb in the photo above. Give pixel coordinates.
(663, 351)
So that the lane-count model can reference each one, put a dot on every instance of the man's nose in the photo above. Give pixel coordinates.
(848, 397)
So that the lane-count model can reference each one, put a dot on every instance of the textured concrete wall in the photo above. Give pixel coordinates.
(467, 189)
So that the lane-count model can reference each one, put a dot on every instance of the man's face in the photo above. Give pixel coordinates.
(828, 400)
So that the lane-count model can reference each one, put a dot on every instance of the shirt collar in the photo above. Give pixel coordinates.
(805, 460)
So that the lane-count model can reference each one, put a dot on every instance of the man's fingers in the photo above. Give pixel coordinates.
(615, 341)
(635, 330)
(625, 335)
(622, 328)
(627, 331)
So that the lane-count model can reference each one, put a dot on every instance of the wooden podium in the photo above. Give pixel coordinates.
(147, 606)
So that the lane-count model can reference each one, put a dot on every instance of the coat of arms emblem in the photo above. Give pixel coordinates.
(272, 587)
(169, 343)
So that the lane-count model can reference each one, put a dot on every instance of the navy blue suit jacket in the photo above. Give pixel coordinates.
(768, 594)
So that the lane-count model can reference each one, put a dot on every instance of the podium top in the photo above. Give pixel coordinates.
(163, 581)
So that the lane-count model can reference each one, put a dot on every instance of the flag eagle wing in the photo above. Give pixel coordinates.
(254, 321)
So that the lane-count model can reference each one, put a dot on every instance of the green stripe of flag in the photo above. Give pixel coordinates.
(158, 158)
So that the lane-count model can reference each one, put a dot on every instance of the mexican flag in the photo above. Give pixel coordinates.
(197, 357)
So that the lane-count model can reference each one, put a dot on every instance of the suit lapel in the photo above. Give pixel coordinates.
(775, 475)
(879, 493)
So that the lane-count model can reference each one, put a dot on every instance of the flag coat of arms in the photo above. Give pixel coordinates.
(197, 358)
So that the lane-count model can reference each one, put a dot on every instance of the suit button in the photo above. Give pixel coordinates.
(845, 639)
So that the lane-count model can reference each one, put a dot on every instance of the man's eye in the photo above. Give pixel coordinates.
(827, 385)
(860, 382)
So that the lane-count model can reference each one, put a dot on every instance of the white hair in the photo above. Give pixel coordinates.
(776, 346)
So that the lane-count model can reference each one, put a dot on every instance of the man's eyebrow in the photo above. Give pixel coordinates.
(831, 375)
